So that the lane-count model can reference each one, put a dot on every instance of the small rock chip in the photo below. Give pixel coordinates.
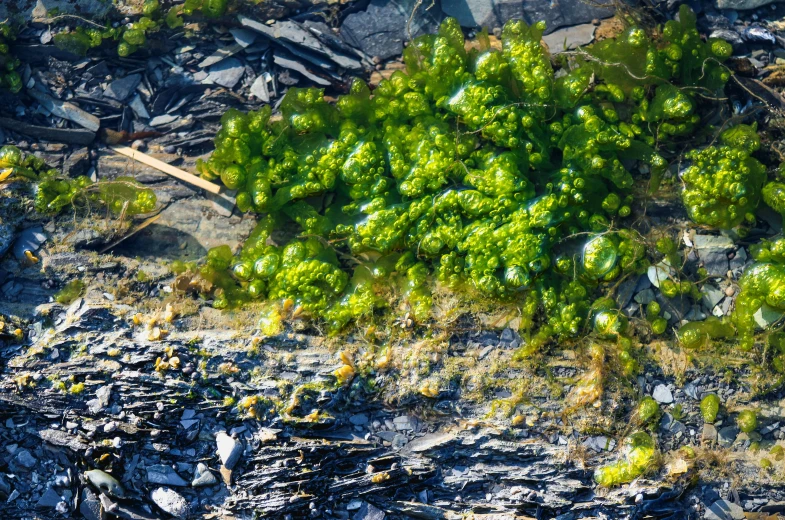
(121, 88)
(709, 433)
(227, 72)
(90, 506)
(203, 476)
(163, 474)
(170, 501)
(48, 500)
(25, 459)
(662, 395)
(229, 449)
(724, 510)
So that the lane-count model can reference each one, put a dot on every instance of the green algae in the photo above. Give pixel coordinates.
(473, 167)
(709, 407)
(647, 410)
(747, 421)
(70, 292)
(698, 334)
(637, 453)
(9, 78)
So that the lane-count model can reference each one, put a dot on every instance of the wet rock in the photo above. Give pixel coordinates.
(48, 500)
(600, 443)
(724, 510)
(766, 316)
(203, 476)
(711, 296)
(25, 459)
(381, 29)
(229, 450)
(709, 433)
(29, 240)
(77, 163)
(102, 396)
(727, 435)
(368, 512)
(570, 38)
(471, 13)
(163, 474)
(742, 4)
(359, 419)
(662, 394)
(227, 72)
(170, 501)
(715, 261)
(90, 506)
(120, 89)
(555, 14)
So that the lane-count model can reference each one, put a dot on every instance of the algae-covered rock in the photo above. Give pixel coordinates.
(636, 454)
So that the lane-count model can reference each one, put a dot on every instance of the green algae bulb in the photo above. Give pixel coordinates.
(647, 409)
(599, 256)
(747, 421)
(637, 454)
(710, 406)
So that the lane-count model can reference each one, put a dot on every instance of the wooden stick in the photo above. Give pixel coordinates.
(167, 168)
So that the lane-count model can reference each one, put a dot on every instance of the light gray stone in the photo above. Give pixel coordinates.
(203, 476)
(227, 72)
(171, 502)
(742, 4)
(229, 449)
(662, 394)
(163, 474)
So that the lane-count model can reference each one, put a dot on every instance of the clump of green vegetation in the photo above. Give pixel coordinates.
(476, 170)
(207, 8)
(709, 407)
(696, 334)
(70, 292)
(647, 410)
(722, 186)
(762, 290)
(9, 78)
(122, 196)
(747, 421)
(637, 453)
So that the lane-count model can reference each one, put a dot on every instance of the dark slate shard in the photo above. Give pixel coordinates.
(556, 13)
(77, 163)
(121, 88)
(381, 29)
(471, 13)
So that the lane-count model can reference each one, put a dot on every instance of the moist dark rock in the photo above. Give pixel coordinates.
(558, 13)
(77, 163)
(120, 89)
(381, 29)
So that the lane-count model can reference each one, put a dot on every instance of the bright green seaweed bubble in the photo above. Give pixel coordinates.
(476, 170)
(709, 407)
(636, 454)
(647, 410)
(747, 421)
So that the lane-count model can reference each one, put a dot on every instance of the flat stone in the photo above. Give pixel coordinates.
(171, 502)
(742, 4)
(556, 14)
(227, 72)
(137, 105)
(120, 89)
(229, 450)
(359, 419)
(472, 13)
(163, 474)
(662, 394)
(724, 510)
(163, 119)
(570, 38)
(203, 476)
(766, 316)
(644, 297)
(715, 261)
(90, 506)
(368, 512)
(48, 500)
(600, 443)
(712, 242)
(709, 433)
(711, 296)
(25, 459)
(381, 28)
(77, 163)
(727, 435)
(658, 273)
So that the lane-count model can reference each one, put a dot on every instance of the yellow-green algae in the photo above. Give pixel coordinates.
(709, 407)
(747, 421)
(9, 78)
(478, 168)
(637, 453)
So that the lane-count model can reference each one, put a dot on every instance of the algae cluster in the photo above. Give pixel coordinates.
(133, 36)
(479, 169)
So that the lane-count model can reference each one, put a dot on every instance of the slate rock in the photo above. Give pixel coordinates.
(359, 419)
(742, 4)
(29, 240)
(25, 459)
(227, 72)
(229, 449)
(381, 29)
(120, 89)
(570, 38)
(709, 433)
(203, 476)
(471, 13)
(171, 502)
(77, 163)
(727, 435)
(556, 14)
(90, 506)
(715, 261)
(163, 474)
(48, 500)
(368, 512)
(724, 510)
(662, 394)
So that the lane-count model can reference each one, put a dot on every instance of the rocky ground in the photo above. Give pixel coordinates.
(139, 401)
